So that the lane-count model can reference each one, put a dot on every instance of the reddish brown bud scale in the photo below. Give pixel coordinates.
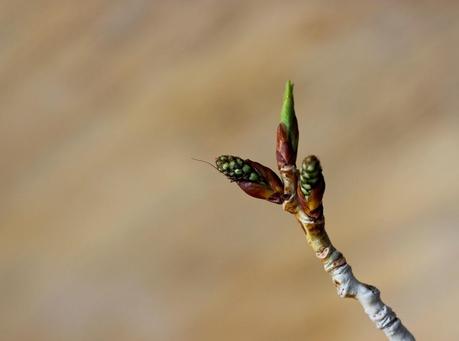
(261, 192)
(312, 204)
(285, 154)
(252, 177)
(268, 175)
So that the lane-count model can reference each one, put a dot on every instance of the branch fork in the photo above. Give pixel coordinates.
(300, 192)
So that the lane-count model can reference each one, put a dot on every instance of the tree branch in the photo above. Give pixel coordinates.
(300, 192)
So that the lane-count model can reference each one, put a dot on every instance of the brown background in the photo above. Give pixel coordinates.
(109, 231)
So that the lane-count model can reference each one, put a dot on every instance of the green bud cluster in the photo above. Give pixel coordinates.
(237, 169)
(310, 174)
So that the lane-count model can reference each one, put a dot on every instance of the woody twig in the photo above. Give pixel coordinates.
(300, 192)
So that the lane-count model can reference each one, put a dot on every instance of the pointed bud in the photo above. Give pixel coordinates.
(287, 131)
(252, 177)
(311, 186)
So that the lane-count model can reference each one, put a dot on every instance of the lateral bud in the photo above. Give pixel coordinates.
(252, 177)
(311, 186)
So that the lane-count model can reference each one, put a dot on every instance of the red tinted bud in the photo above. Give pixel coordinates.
(311, 186)
(252, 177)
(287, 131)
(285, 155)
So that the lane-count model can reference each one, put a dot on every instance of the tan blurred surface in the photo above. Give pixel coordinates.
(109, 231)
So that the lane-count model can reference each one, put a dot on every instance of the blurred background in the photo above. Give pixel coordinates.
(110, 231)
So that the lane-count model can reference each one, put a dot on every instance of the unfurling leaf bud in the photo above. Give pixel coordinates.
(287, 131)
(253, 178)
(311, 186)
